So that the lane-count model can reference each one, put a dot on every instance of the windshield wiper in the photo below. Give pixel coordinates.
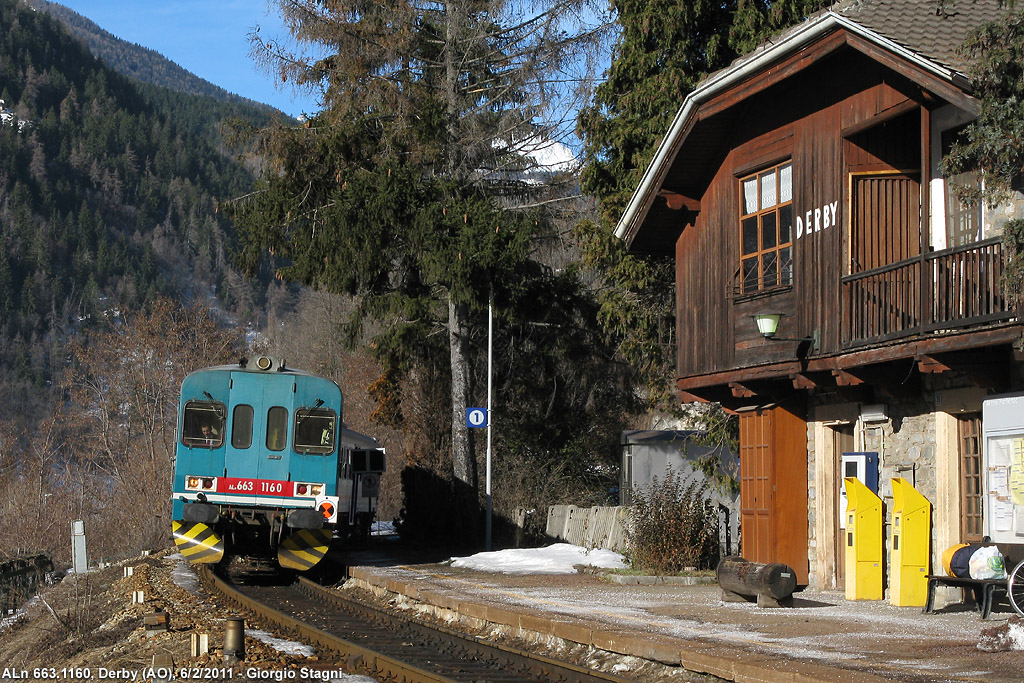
(309, 411)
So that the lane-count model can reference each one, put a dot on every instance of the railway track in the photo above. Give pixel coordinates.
(389, 647)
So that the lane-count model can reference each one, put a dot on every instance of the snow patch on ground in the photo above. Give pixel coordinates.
(380, 528)
(183, 575)
(1015, 636)
(286, 646)
(560, 558)
(1008, 636)
(13, 615)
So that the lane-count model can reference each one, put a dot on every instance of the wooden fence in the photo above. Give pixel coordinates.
(590, 527)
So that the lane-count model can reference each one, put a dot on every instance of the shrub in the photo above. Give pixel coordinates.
(673, 526)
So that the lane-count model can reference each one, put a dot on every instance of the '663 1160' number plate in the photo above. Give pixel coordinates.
(256, 487)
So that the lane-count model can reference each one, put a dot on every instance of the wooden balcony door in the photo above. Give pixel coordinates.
(886, 220)
(882, 293)
(773, 488)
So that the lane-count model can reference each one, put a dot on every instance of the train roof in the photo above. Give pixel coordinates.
(273, 367)
(244, 364)
(352, 438)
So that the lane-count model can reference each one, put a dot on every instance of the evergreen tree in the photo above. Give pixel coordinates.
(93, 168)
(663, 51)
(408, 189)
(993, 146)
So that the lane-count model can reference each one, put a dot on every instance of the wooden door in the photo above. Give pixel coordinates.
(972, 515)
(773, 488)
(886, 220)
(842, 442)
(755, 485)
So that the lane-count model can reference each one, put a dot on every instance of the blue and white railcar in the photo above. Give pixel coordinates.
(264, 466)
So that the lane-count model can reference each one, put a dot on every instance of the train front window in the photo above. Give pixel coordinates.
(277, 428)
(314, 430)
(202, 424)
(241, 426)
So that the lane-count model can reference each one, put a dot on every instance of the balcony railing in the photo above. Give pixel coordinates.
(944, 290)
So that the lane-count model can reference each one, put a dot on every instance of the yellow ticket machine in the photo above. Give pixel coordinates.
(911, 545)
(863, 542)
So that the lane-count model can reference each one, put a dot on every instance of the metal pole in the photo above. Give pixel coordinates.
(234, 640)
(490, 416)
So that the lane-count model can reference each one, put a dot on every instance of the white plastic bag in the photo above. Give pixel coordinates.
(987, 563)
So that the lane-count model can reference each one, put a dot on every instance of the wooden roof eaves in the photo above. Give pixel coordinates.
(915, 347)
(686, 118)
(649, 186)
(783, 69)
(952, 88)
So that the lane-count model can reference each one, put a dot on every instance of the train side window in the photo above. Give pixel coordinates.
(314, 430)
(202, 424)
(277, 428)
(241, 426)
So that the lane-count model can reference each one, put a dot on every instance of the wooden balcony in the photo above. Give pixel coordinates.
(939, 291)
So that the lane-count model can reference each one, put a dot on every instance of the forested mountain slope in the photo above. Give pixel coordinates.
(108, 194)
(138, 62)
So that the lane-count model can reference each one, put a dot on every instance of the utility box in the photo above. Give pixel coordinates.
(863, 542)
(79, 558)
(911, 545)
(862, 466)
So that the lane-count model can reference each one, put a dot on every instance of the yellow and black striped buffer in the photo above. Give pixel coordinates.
(303, 549)
(198, 542)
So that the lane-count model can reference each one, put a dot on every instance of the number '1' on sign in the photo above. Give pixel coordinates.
(476, 417)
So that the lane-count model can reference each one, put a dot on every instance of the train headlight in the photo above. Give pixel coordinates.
(194, 482)
(264, 362)
(308, 490)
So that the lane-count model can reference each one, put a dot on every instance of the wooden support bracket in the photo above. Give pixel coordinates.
(741, 390)
(677, 200)
(931, 364)
(688, 397)
(801, 381)
(846, 379)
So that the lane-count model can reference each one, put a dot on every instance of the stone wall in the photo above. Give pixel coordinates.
(907, 443)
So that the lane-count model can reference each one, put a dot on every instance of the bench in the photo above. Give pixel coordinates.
(984, 590)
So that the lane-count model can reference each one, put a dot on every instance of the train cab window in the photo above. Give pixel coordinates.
(314, 430)
(241, 426)
(202, 424)
(277, 428)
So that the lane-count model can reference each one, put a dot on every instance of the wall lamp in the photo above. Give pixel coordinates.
(768, 325)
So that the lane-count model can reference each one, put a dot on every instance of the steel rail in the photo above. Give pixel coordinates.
(532, 666)
(551, 669)
(364, 659)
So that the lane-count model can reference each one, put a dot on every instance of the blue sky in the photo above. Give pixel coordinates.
(207, 37)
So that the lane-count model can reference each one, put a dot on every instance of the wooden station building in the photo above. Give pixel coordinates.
(804, 180)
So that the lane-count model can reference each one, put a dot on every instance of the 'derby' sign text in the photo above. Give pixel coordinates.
(816, 219)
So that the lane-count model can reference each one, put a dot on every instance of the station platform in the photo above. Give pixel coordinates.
(822, 637)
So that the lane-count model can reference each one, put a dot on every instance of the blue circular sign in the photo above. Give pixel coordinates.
(476, 417)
